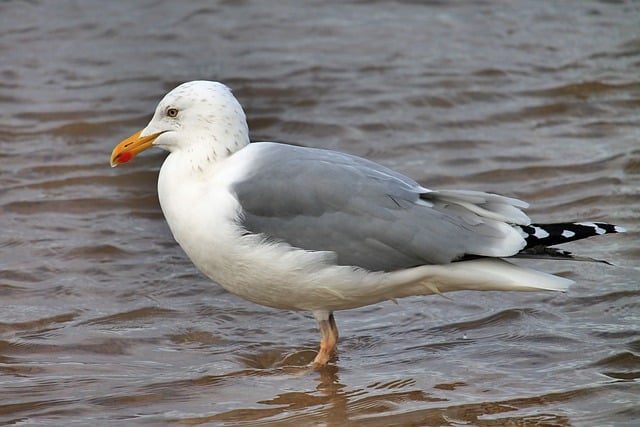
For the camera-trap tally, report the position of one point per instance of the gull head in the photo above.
(198, 116)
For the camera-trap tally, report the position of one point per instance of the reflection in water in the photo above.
(336, 404)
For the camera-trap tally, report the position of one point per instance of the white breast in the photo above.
(200, 210)
(203, 216)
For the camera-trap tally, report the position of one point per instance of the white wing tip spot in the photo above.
(596, 228)
(540, 233)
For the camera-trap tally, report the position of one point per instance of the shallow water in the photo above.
(103, 319)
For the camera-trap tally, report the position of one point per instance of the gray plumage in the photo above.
(369, 215)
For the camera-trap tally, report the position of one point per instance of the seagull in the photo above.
(308, 229)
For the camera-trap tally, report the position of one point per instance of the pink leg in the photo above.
(328, 343)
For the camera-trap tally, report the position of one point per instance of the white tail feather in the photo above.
(497, 274)
(485, 274)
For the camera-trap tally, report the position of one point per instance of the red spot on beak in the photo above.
(125, 156)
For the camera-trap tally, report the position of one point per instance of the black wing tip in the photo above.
(542, 252)
(558, 233)
(598, 226)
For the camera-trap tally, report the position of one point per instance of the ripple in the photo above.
(104, 319)
(624, 366)
(145, 313)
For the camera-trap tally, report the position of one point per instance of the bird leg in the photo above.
(329, 331)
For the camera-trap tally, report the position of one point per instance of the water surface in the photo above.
(104, 320)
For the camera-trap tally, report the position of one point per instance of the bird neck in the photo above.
(204, 158)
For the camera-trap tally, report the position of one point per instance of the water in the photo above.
(104, 320)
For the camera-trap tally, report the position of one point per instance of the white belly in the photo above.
(203, 217)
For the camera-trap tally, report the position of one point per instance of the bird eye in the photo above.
(172, 112)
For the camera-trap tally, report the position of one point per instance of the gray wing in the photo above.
(369, 215)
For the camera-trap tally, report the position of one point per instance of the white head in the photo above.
(202, 117)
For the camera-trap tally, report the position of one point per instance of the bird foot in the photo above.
(328, 343)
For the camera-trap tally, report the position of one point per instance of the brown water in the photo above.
(104, 321)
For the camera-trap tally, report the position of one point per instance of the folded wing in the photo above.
(368, 215)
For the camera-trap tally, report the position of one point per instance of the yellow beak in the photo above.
(131, 146)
